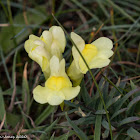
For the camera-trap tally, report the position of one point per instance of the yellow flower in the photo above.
(41, 49)
(96, 54)
(57, 87)
(37, 52)
(54, 40)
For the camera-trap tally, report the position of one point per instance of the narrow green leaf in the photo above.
(52, 137)
(47, 129)
(44, 114)
(10, 91)
(134, 134)
(133, 86)
(123, 100)
(66, 136)
(112, 84)
(13, 119)
(100, 2)
(118, 112)
(106, 125)
(85, 120)
(127, 138)
(84, 93)
(5, 67)
(78, 131)
(71, 104)
(13, 51)
(118, 134)
(129, 120)
(112, 101)
(7, 92)
(134, 101)
(99, 112)
(86, 10)
(97, 133)
(105, 134)
(120, 10)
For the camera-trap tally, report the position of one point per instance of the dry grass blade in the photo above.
(2, 123)
(129, 63)
(25, 77)
(132, 78)
(13, 96)
(32, 122)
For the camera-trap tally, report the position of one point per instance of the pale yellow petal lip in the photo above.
(55, 98)
(40, 94)
(106, 53)
(103, 43)
(71, 92)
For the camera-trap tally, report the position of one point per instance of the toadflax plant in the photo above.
(47, 51)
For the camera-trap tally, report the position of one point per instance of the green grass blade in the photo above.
(47, 129)
(5, 67)
(129, 120)
(112, 101)
(86, 10)
(44, 114)
(112, 84)
(133, 133)
(134, 101)
(78, 131)
(124, 99)
(97, 133)
(120, 9)
(12, 52)
(85, 94)
(118, 112)
(106, 126)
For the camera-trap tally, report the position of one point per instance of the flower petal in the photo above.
(70, 92)
(40, 94)
(54, 65)
(75, 75)
(55, 98)
(33, 37)
(55, 50)
(99, 62)
(47, 37)
(103, 43)
(58, 36)
(78, 41)
(37, 54)
(105, 53)
(29, 45)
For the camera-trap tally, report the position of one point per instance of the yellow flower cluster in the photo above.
(47, 51)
